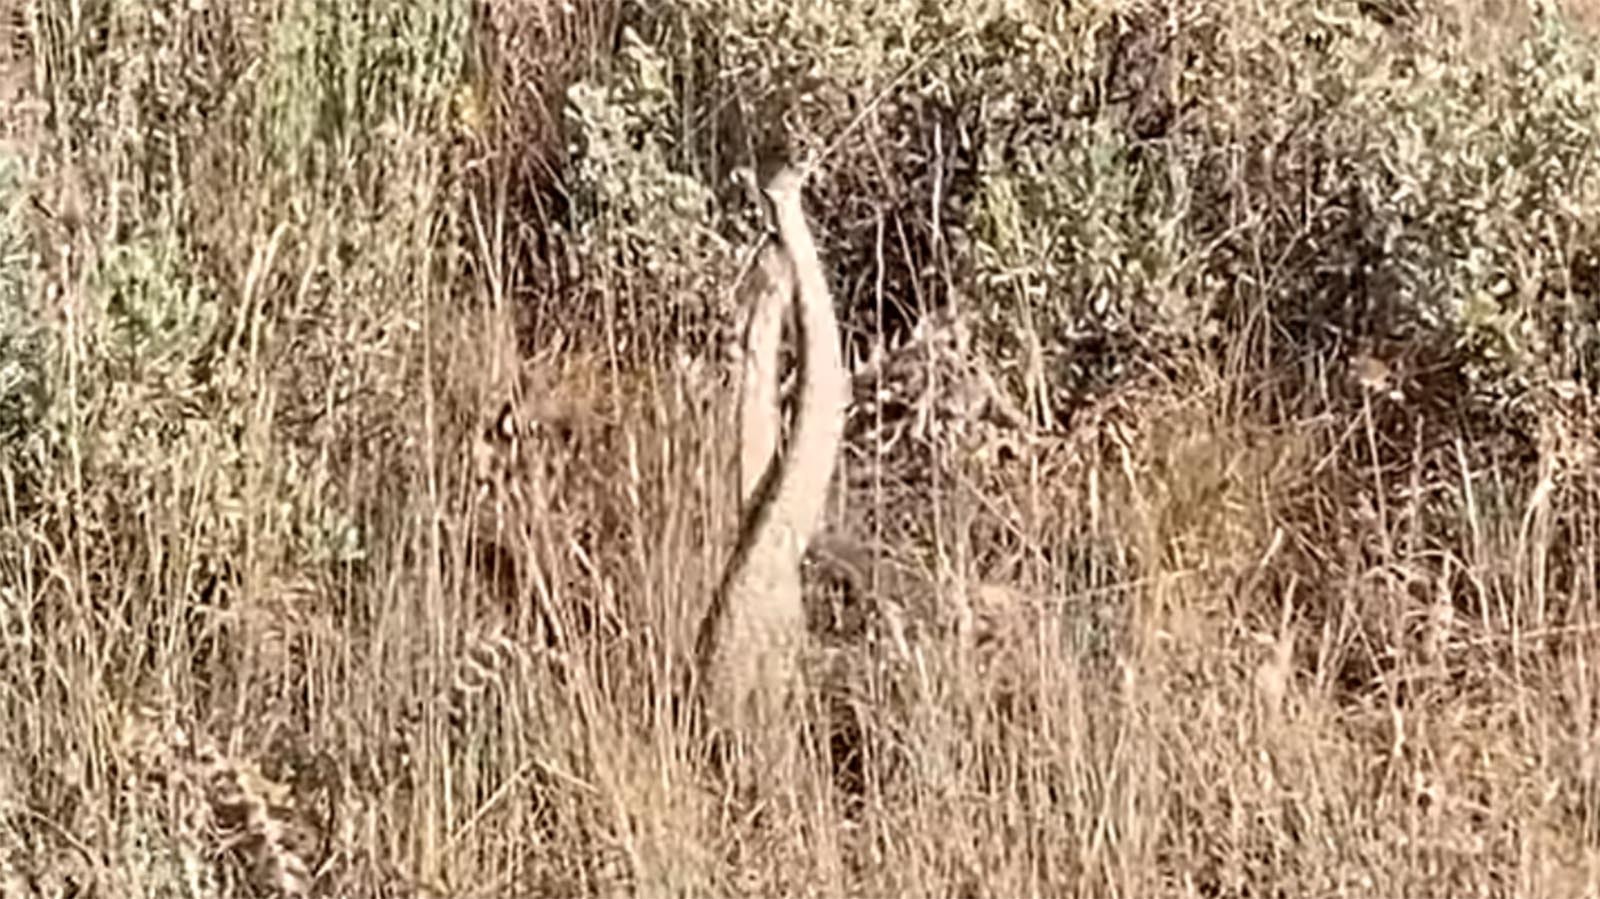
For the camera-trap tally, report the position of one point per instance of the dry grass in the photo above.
(1276, 575)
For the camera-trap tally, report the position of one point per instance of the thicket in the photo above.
(1282, 573)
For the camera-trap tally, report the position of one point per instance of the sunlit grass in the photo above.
(1276, 576)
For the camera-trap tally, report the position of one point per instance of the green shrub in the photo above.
(1389, 187)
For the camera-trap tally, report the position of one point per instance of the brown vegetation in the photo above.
(1219, 513)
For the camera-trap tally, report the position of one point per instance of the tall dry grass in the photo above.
(1275, 575)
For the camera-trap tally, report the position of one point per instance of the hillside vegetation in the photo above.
(1220, 515)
